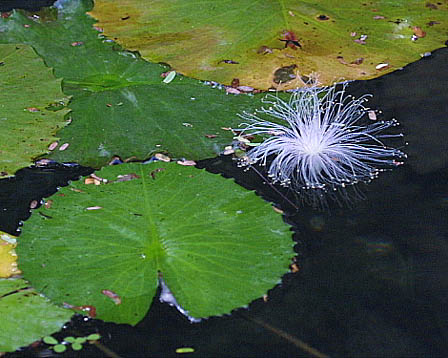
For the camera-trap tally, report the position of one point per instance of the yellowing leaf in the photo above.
(8, 256)
(281, 44)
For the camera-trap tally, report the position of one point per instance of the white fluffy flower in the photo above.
(319, 139)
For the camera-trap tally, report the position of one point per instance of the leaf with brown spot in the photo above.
(257, 37)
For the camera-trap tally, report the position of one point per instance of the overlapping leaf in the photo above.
(8, 256)
(27, 124)
(25, 315)
(248, 40)
(120, 104)
(217, 245)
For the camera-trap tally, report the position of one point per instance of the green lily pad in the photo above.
(222, 40)
(121, 104)
(26, 316)
(27, 124)
(217, 245)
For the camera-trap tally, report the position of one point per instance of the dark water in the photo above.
(373, 279)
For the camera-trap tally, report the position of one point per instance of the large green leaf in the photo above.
(25, 315)
(27, 125)
(198, 38)
(217, 245)
(120, 105)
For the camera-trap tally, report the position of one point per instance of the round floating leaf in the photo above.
(217, 245)
(25, 315)
(50, 340)
(184, 119)
(27, 121)
(263, 43)
(93, 337)
(121, 105)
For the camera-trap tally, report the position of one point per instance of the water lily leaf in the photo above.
(26, 315)
(121, 104)
(27, 124)
(263, 43)
(105, 245)
(8, 256)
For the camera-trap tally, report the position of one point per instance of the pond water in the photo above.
(373, 278)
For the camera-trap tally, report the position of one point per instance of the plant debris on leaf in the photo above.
(216, 245)
(27, 125)
(222, 40)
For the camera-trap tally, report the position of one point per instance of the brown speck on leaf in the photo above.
(43, 162)
(232, 90)
(53, 145)
(76, 190)
(64, 146)
(358, 61)
(115, 160)
(89, 310)
(277, 210)
(112, 295)
(235, 83)
(186, 163)
(126, 177)
(162, 157)
(210, 135)
(263, 50)
(155, 171)
(88, 181)
(341, 60)
(295, 268)
(323, 17)
(94, 176)
(77, 43)
(290, 39)
(33, 204)
(48, 204)
(230, 62)
(245, 88)
(418, 31)
(430, 5)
